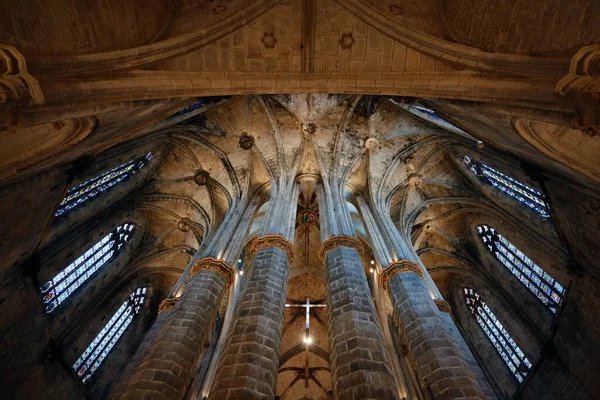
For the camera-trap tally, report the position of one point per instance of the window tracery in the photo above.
(504, 344)
(538, 281)
(96, 352)
(59, 288)
(522, 193)
(89, 189)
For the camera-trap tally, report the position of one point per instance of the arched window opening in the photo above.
(88, 190)
(538, 281)
(510, 352)
(96, 352)
(59, 288)
(522, 193)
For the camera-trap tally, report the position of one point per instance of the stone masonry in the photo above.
(359, 363)
(482, 381)
(167, 369)
(248, 365)
(436, 358)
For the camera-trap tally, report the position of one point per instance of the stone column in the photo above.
(167, 366)
(167, 369)
(248, 365)
(360, 366)
(482, 381)
(164, 310)
(433, 352)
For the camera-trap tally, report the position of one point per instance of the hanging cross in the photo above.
(307, 339)
(308, 307)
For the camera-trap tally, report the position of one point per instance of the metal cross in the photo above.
(307, 339)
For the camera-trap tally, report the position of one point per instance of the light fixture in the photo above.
(241, 272)
(240, 260)
(372, 262)
(371, 270)
(307, 340)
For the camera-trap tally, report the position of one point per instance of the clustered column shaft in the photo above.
(248, 365)
(166, 370)
(434, 354)
(359, 364)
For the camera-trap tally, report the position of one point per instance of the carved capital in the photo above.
(272, 241)
(167, 304)
(214, 264)
(397, 267)
(16, 84)
(581, 87)
(443, 306)
(337, 241)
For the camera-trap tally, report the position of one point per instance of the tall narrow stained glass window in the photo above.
(96, 352)
(538, 281)
(89, 189)
(510, 352)
(522, 193)
(59, 288)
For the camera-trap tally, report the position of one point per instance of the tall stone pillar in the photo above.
(248, 365)
(360, 366)
(166, 366)
(482, 381)
(433, 351)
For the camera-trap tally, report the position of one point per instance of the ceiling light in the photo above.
(307, 340)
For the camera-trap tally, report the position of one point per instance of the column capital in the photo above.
(581, 86)
(167, 304)
(214, 264)
(443, 306)
(337, 241)
(272, 240)
(397, 267)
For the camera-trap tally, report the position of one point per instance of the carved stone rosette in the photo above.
(214, 264)
(397, 267)
(246, 141)
(443, 306)
(167, 304)
(337, 241)
(272, 240)
(201, 178)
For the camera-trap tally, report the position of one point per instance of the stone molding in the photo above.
(397, 267)
(213, 264)
(581, 86)
(167, 304)
(16, 84)
(337, 241)
(272, 241)
(443, 306)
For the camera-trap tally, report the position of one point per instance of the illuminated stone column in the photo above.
(360, 366)
(248, 365)
(433, 352)
(166, 362)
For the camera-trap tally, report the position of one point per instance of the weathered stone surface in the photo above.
(359, 364)
(166, 370)
(248, 366)
(436, 358)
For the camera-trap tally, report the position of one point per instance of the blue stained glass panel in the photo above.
(96, 352)
(538, 281)
(91, 188)
(527, 196)
(509, 351)
(59, 288)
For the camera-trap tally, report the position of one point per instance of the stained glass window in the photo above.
(59, 288)
(538, 281)
(522, 193)
(79, 194)
(512, 354)
(96, 352)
